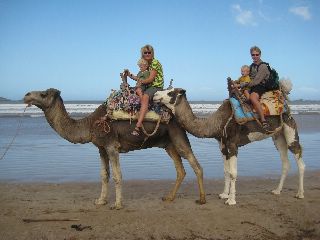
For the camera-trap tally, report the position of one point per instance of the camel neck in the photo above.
(75, 131)
(199, 127)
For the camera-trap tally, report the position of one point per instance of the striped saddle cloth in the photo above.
(124, 104)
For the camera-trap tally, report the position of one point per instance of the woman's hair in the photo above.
(142, 62)
(147, 48)
(255, 48)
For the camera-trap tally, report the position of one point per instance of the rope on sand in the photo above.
(14, 137)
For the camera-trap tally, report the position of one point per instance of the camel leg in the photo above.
(233, 178)
(229, 151)
(105, 176)
(181, 143)
(292, 137)
(281, 145)
(116, 175)
(301, 167)
(181, 173)
(226, 167)
(199, 173)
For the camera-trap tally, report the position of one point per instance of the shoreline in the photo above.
(257, 215)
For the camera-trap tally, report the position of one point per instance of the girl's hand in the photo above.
(235, 85)
(139, 82)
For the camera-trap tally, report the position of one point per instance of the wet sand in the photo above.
(257, 215)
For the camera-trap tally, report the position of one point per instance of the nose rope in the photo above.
(14, 137)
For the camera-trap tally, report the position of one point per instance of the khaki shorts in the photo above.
(150, 91)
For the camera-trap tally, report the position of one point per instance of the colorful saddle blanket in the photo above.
(125, 105)
(272, 102)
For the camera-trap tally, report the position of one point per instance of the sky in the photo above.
(81, 46)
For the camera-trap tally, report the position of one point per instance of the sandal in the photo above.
(266, 126)
(136, 132)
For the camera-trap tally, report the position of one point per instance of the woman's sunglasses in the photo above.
(147, 53)
(255, 55)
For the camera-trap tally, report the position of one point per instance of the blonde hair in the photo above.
(147, 48)
(142, 62)
(255, 48)
(245, 67)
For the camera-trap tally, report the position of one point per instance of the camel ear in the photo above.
(58, 92)
(182, 92)
(53, 92)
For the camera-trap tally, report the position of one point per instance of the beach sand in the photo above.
(257, 215)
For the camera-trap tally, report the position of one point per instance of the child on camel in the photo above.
(244, 80)
(142, 75)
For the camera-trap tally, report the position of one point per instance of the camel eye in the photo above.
(171, 94)
(43, 95)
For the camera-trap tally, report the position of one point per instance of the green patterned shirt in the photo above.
(158, 81)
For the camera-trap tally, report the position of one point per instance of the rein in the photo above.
(14, 137)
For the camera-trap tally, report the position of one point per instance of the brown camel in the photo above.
(117, 139)
(230, 135)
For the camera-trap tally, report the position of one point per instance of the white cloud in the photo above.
(243, 17)
(301, 12)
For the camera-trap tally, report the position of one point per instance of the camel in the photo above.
(115, 138)
(230, 135)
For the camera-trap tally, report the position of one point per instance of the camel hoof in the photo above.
(223, 196)
(230, 202)
(201, 201)
(167, 199)
(116, 206)
(276, 192)
(299, 196)
(100, 201)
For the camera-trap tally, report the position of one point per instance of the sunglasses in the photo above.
(147, 53)
(255, 55)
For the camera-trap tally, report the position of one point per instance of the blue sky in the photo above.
(80, 47)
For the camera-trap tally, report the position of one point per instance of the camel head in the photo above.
(42, 99)
(170, 97)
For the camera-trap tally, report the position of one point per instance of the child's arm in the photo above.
(150, 79)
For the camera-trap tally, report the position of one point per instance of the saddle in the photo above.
(124, 104)
(273, 104)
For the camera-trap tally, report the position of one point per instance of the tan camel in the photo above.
(117, 139)
(230, 135)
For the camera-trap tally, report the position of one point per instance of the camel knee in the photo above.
(198, 171)
(233, 168)
(300, 163)
(104, 175)
(296, 149)
(285, 165)
(195, 165)
(233, 174)
(181, 175)
(117, 179)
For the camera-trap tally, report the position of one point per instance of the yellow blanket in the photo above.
(272, 103)
(151, 116)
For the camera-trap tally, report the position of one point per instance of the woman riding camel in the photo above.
(149, 86)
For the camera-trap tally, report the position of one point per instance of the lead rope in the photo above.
(14, 137)
(150, 134)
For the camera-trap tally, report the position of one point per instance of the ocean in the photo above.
(38, 154)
